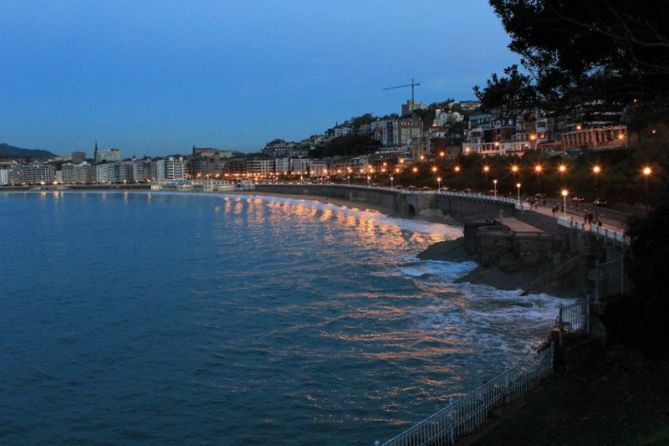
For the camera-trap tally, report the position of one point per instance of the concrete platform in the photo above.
(518, 226)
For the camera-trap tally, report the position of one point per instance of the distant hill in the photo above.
(7, 151)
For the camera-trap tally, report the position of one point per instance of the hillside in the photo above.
(7, 151)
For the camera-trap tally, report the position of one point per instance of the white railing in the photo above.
(464, 415)
(601, 231)
(614, 235)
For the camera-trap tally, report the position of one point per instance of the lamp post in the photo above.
(596, 170)
(438, 184)
(456, 169)
(562, 168)
(538, 170)
(369, 179)
(494, 187)
(564, 192)
(518, 188)
(647, 172)
(391, 182)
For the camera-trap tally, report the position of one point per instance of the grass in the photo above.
(622, 399)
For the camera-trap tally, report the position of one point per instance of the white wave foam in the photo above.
(416, 226)
(446, 271)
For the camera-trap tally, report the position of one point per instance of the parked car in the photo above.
(577, 199)
(600, 203)
(426, 188)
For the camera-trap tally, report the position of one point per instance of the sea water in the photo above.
(165, 318)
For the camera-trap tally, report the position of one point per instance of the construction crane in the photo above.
(413, 85)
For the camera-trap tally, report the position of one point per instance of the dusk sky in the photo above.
(156, 77)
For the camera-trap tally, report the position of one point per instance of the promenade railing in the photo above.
(601, 231)
(611, 234)
(464, 415)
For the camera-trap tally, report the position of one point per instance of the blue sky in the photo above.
(159, 76)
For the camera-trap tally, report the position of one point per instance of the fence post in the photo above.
(451, 430)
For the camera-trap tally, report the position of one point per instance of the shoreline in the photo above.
(450, 250)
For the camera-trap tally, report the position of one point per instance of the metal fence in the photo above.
(574, 318)
(615, 235)
(464, 415)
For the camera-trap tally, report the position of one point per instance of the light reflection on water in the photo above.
(169, 318)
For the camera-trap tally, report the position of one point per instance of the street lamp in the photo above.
(538, 170)
(518, 188)
(439, 184)
(369, 179)
(562, 168)
(391, 182)
(647, 171)
(564, 192)
(434, 169)
(596, 171)
(494, 187)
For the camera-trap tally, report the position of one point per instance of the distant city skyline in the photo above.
(156, 78)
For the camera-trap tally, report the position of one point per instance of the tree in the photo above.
(510, 94)
(578, 52)
(642, 318)
(348, 145)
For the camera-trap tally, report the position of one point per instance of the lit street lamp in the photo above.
(369, 179)
(565, 192)
(538, 170)
(647, 171)
(494, 187)
(391, 182)
(596, 170)
(518, 188)
(439, 184)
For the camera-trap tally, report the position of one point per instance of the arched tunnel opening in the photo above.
(411, 211)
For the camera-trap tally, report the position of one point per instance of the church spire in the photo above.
(95, 152)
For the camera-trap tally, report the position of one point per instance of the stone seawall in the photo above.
(399, 203)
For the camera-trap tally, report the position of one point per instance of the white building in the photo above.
(4, 177)
(176, 168)
(106, 173)
(300, 166)
(282, 166)
(259, 167)
(157, 170)
(82, 173)
(110, 155)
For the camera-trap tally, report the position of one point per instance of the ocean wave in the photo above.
(353, 210)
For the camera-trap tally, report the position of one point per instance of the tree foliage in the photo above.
(575, 52)
(349, 145)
